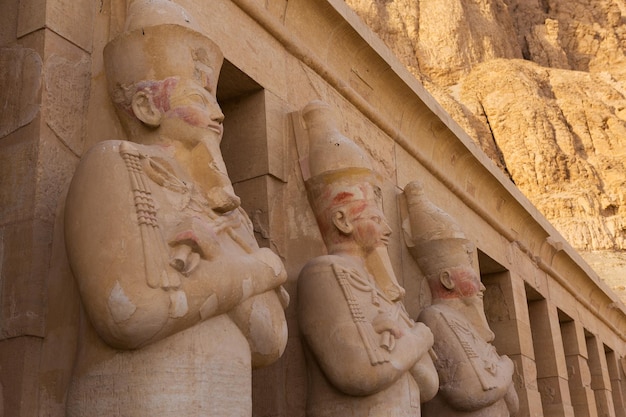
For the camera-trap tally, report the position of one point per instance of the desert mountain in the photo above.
(540, 85)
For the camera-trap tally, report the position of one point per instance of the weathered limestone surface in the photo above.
(279, 55)
(180, 302)
(541, 87)
(473, 379)
(365, 355)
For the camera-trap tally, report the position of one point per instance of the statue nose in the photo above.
(215, 111)
(217, 115)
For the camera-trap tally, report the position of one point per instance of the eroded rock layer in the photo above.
(540, 85)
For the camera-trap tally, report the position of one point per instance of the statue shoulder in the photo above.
(437, 317)
(107, 147)
(326, 268)
(322, 265)
(318, 283)
(102, 158)
(430, 314)
(101, 175)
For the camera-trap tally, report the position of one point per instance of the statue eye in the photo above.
(197, 98)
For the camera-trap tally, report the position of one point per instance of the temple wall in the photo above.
(563, 328)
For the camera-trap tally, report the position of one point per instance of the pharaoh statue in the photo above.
(179, 302)
(364, 355)
(473, 379)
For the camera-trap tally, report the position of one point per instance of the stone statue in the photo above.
(180, 301)
(474, 380)
(365, 356)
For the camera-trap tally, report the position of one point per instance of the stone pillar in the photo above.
(600, 382)
(549, 359)
(45, 65)
(617, 383)
(523, 355)
(502, 312)
(579, 377)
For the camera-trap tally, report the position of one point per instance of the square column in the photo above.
(579, 377)
(549, 359)
(600, 381)
(506, 310)
(617, 383)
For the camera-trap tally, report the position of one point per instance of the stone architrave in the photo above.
(365, 356)
(474, 380)
(180, 301)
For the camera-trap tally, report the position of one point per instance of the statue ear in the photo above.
(145, 109)
(446, 280)
(340, 220)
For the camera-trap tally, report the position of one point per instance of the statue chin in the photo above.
(223, 199)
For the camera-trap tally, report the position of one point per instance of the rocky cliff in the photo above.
(540, 85)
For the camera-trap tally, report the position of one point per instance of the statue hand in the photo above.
(192, 240)
(383, 322)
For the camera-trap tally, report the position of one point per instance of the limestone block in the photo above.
(276, 120)
(250, 136)
(18, 155)
(528, 372)
(546, 338)
(296, 376)
(408, 169)
(508, 340)
(380, 148)
(583, 401)
(534, 403)
(32, 16)
(56, 165)
(597, 364)
(20, 83)
(579, 380)
(70, 19)
(498, 303)
(62, 310)
(19, 376)
(525, 340)
(254, 123)
(22, 286)
(8, 22)
(262, 198)
(573, 337)
(530, 398)
(67, 71)
(554, 390)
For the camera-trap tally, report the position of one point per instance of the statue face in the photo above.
(467, 284)
(194, 120)
(370, 228)
(193, 104)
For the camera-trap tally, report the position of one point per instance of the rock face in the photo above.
(540, 85)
